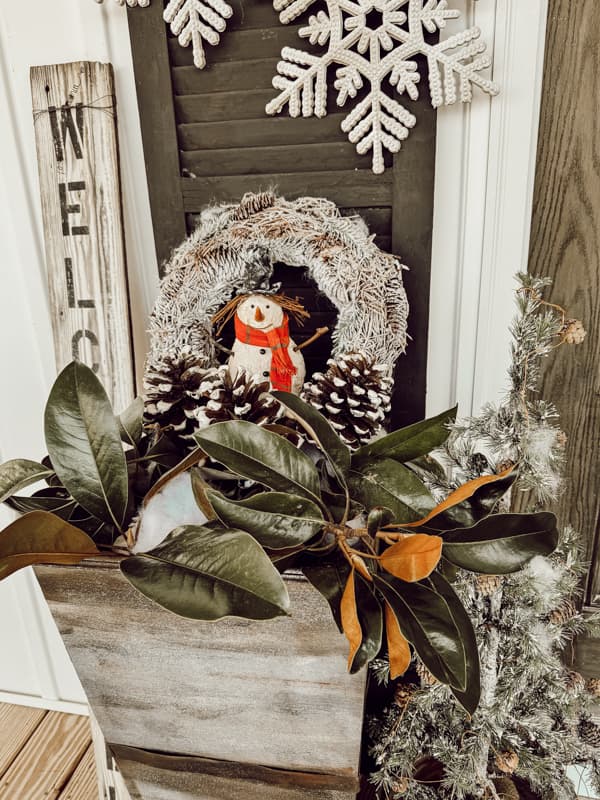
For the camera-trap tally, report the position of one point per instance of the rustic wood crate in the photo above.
(206, 707)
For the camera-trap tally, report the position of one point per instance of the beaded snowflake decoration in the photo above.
(373, 44)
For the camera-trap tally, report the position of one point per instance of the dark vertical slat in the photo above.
(412, 221)
(157, 116)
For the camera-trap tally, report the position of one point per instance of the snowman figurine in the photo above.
(263, 347)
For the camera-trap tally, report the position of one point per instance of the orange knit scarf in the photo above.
(278, 340)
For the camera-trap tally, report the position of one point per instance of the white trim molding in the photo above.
(485, 170)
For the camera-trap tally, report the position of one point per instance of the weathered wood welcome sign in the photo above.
(74, 111)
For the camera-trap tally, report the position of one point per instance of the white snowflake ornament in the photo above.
(193, 21)
(371, 42)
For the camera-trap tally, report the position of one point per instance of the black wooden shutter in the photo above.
(207, 139)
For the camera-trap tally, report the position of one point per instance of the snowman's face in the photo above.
(260, 311)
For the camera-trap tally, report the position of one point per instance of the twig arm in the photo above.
(316, 335)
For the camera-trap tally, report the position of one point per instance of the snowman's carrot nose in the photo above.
(258, 314)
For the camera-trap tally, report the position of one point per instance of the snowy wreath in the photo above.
(233, 252)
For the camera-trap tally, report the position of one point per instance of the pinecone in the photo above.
(478, 463)
(252, 203)
(593, 687)
(502, 466)
(403, 694)
(564, 613)
(506, 789)
(487, 585)
(574, 682)
(573, 331)
(589, 733)
(507, 761)
(400, 786)
(221, 398)
(170, 392)
(355, 396)
(427, 679)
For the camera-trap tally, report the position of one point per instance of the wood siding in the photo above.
(208, 139)
(565, 245)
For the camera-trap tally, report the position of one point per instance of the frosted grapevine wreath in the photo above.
(232, 253)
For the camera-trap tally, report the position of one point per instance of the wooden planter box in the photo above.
(218, 710)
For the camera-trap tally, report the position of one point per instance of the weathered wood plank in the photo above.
(361, 187)
(274, 693)
(154, 776)
(48, 759)
(237, 45)
(83, 784)
(565, 244)
(157, 117)
(340, 155)
(17, 724)
(222, 106)
(252, 14)
(78, 163)
(274, 132)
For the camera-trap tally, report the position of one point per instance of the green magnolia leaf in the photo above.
(42, 538)
(426, 621)
(370, 617)
(387, 483)
(84, 444)
(469, 699)
(20, 473)
(409, 443)
(209, 573)
(276, 520)
(321, 431)
(502, 543)
(378, 517)
(336, 503)
(329, 575)
(131, 423)
(262, 456)
(481, 503)
(54, 500)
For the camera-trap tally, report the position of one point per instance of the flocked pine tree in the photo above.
(535, 717)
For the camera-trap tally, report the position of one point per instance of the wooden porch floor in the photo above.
(45, 755)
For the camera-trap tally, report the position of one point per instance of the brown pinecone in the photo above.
(400, 786)
(507, 761)
(221, 398)
(574, 682)
(427, 679)
(506, 789)
(170, 392)
(487, 585)
(355, 396)
(593, 687)
(564, 613)
(252, 203)
(589, 733)
(573, 331)
(403, 694)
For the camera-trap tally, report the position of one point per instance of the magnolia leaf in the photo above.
(55, 501)
(502, 543)
(425, 620)
(20, 473)
(370, 617)
(377, 518)
(131, 423)
(42, 538)
(349, 616)
(469, 699)
(209, 573)
(409, 443)
(276, 520)
(387, 483)
(84, 444)
(479, 504)
(460, 495)
(320, 431)
(200, 488)
(261, 456)
(413, 558)
(329, 575)
(398, 647)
